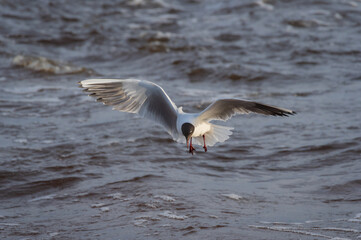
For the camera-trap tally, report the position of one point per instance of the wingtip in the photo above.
(81, 84)
(290, 113)
(285, 114)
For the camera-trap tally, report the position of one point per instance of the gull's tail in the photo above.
(216, 134)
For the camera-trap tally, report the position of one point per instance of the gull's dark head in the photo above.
(187, 130)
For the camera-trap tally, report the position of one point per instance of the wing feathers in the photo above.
(130, 95)
(224, 109)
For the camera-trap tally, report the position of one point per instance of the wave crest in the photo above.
(42, 64)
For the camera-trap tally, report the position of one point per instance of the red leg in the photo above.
(191, 148)
(204, 141)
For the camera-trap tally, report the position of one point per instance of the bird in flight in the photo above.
(150, 101)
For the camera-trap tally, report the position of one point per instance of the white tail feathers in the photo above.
(216, 134)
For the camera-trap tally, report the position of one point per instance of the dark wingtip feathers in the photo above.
(274, 111)
(287, 114)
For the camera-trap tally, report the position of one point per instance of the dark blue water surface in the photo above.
(71, 168)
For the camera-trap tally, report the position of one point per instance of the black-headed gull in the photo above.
(150, 101)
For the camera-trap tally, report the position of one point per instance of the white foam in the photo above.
(128, 199)
(313, 221)
(21, 140)
(170, 215)
(233, 196)
(47, 141)
(98, 205)
(338, 238)
(53, 234)
(82, 194)
(45, 65)
(264, 5)
(116, 195)
(165, 198)
(148, 217)
(281, 223)
(355, 220)
(166, 225)
(289, 229)
(46, 197)
(140, 222)
(105, 209)
(151, 205)
(10, 224)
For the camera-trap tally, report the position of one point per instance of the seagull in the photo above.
(150, 101)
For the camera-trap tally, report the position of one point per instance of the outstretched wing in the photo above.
(224, 109)
(135, 96)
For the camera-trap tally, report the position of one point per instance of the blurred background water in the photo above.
(71, 168)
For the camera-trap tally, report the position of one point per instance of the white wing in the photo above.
(135, 96)
(224, 109)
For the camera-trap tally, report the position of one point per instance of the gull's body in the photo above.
(150, 101)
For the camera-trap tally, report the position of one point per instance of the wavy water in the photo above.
(42, 64)
(71, 168)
